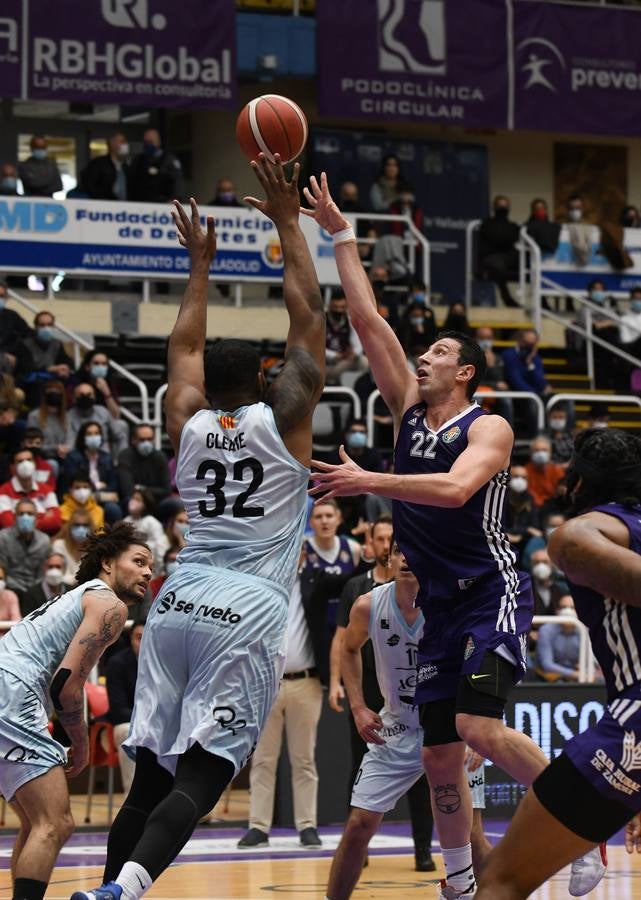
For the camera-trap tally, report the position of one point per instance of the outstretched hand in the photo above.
(633, 835)
(344, 480)
(324, 209)
(282, 200)
(200, 244)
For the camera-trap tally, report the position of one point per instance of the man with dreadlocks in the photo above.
(593, 788)
(44, 662)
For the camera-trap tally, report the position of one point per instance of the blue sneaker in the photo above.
(109, 891)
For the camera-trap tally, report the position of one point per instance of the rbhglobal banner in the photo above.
(93, 237)
(137, 52)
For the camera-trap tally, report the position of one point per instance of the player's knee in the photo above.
(360, 827)
(480, 733)
(55, 830)
(442, 760)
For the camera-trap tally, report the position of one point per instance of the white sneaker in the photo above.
(450, 893)
(588, 870)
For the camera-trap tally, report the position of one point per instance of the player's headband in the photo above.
(597, 474)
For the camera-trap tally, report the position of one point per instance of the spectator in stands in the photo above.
(348, 198)
(53, 573)
(142, 467)
(121, 675)
(602, 324)
(71, 543)
(456, 319)
(389, 254)
(598, 416)
(39, 173)
(41, 357)
(630, 332)
(405, 205)
(575, 208)
(543, 475)
(547, 591)
(630, 217)
(9, 604)
(560, 435)
(11, 434)
(105, 177)
(225, 194)
(177, 529)
(355, 442)
(8, 180)
(45, 471)
(389, 185)
(155, 175)
(13, 328)
(550, 519)
(524, 371)
(85, 410)
(95, 371)
(417, 325)
(139, 514)
(51, 418)
(497, 254)
(558, 504)
(80, 497)
(558, 646)
(494, 377)
(24, 485)
(10, 395)
(90, 461)
(169, 566)
(521, 515)
(544, 232)
(23, 548)
(343, 348)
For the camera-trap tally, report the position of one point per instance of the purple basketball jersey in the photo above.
(615, 628)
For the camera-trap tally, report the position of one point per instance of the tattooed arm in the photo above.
(104, 618)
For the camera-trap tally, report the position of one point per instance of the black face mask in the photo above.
(378, 285)
(53, 398)
(501, 212)
(84, 402)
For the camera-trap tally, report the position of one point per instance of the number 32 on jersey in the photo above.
(216, 489)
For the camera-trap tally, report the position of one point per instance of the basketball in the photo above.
(272, 124)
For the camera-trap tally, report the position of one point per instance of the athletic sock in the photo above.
(134, 880)
(29, 889)
(458, 868)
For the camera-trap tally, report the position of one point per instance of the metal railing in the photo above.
(78, 342)
(595, 398)
(586, 657)
(410, 238)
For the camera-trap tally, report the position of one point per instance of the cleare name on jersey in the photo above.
(223, 442)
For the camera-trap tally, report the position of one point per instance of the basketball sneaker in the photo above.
(588, 870)
(109, 891)
(450, 893)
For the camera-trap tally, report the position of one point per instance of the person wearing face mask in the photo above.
(544, 232)
(343, 350)
(23, 548)
(524, 371)
(9, 603)
(355, 441)
(23, 485)
(50, 585)
(85, 409)
(560, 435)
(169, 566)
(456, 319)
(80, 497)
(13, 328)
(630, 217)
(546, 588)
(39, 173)
(498, 260)
(71, 543)
(225, 194)
(417, 325)
(177, 529)
(95, 371)
(494, 377)
(138, 513)
(543, 475)
(40, 357)
(521, 515)
(46, 472)
(90, 461)
(50, 417)
(105, 177)
(155, 175)
(557, 647)
(630, 332)
(142, 466)
(8, 180)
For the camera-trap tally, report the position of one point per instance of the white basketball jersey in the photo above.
(245, 494)
(395, 646)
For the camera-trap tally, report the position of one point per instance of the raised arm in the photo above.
(382, 348)
(593, 551)
(490, 441)
(295, 393)
(186, 374)
(367, 721)
(104, 618)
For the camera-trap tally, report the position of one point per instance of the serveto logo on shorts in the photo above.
(217, 612)
(168, 604)
(425, 672)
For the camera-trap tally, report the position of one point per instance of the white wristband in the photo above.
(342, 237)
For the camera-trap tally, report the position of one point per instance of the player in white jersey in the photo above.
(212, 653)
(44, 662)
(386, 616)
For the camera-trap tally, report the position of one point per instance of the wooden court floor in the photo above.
(212, 867)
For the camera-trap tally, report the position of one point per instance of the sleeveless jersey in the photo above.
(35, 647)
(615, 628)
(395, 646)
(245, 495)
(449, 549)
(342, 564)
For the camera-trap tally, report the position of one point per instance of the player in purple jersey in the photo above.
(594, 787)
(450, 477)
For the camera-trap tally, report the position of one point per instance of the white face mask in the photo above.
(575, 215)
(519, 484)
(568, 612)
(541, 571)
(81, 495)
(540, 457)
(25, 468)
(54, 577)
(558, 424)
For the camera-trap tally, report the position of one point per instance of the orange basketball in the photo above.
(272, 124)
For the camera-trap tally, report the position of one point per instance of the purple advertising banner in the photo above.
(10, 47)
(414, 60)
(576, 69)
(137, 52)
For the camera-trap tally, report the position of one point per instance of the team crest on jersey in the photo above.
(469, 648)
(344, 556)
(227, 421)
(631, 757)
(393, 640)
(451, 434)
